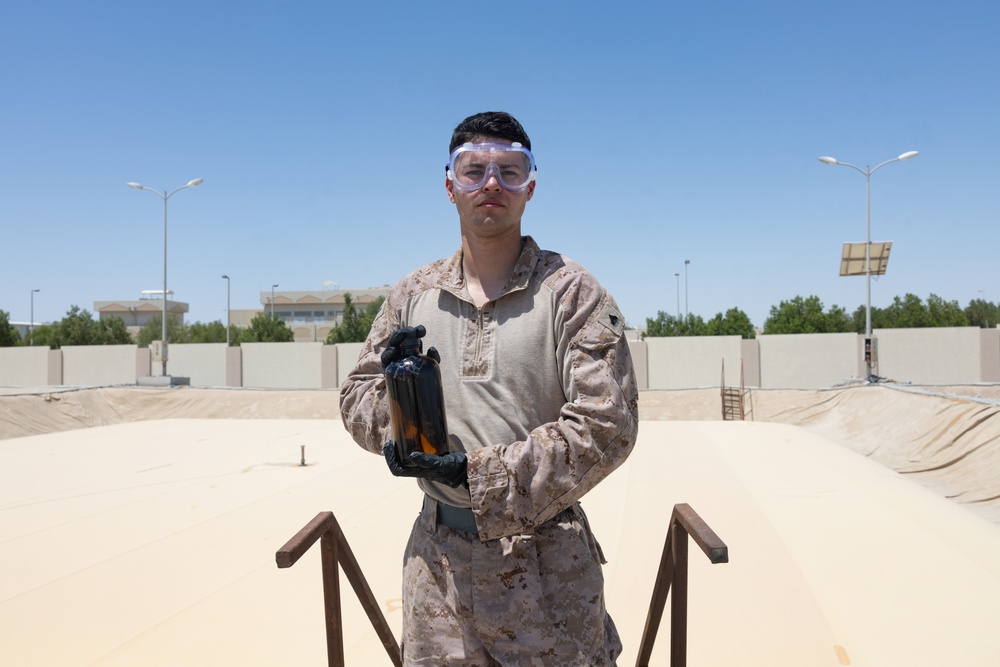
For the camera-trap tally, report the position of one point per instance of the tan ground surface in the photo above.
(149, 538)
(947, 438)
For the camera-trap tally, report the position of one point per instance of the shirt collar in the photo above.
(452, 278)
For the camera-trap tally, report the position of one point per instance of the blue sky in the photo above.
(663, 132)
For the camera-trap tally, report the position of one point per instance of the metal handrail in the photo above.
(673, 571)
(335, 549)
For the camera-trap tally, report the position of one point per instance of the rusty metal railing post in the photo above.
(331, 600)
(335, 550)
(673, 572)
(679, 598)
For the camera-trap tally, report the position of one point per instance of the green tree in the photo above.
(733, 323)
(213, 332)
(44, 335)
(78, 327)
(983, 314)
(662, 325)
(112, 331)
(806, 316)
(945, 313)
(266, 329)
(668, 325)
(910, 312)
(153, 330)
(8, 333)
(369, 314)
(354, 327)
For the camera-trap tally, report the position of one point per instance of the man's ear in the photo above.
(451, 193)
(531, 190)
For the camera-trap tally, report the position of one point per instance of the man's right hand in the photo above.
(394, 348)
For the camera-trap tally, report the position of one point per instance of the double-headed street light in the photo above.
(165, 196)
(867, 172)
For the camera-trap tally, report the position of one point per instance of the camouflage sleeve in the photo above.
(363, 403)
(515, 487)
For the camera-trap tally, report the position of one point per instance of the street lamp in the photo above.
(31, 325)
(272, 300)
(165, 196)
(228, 310)
(686, 262)
(867, 172)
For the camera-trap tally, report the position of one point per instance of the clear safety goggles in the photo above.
(472, 165)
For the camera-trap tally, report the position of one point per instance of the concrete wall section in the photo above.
(204, 363)
(750, 353)
(328, 367)
(347, 359)
(55, 368)
(807, 361)
(144, 363)
(282, 365)
(24, 366)
(640, 361)
(234, 367)
(98, 365)
(990, 354)
(684, 363)
(945, 355)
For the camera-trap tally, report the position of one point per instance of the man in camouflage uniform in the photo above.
(501, 566)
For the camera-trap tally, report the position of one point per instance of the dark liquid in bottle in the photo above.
(416, 406)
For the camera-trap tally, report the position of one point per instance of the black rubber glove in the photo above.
(450, 469)
(394, 348)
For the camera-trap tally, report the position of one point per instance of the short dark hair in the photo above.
(489, 125)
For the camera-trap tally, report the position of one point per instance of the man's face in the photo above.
(489, 210)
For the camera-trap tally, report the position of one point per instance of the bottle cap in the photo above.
(410, 347)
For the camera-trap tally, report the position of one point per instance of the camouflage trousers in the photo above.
(531, 599)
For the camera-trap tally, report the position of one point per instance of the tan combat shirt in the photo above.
(538, 385)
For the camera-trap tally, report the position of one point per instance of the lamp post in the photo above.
(31, 325)
(686, 262)
(228, 310)
(867, 172)
(272, 300)
(165, 196)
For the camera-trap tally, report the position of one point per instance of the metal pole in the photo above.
(686, 312)
(31, 325)
(868, 171)
(272, 300)
(868, 271)
(164, 332)
(165, 196)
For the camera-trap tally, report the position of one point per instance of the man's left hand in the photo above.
(450, 469)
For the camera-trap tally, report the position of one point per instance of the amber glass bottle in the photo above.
(416, 403)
